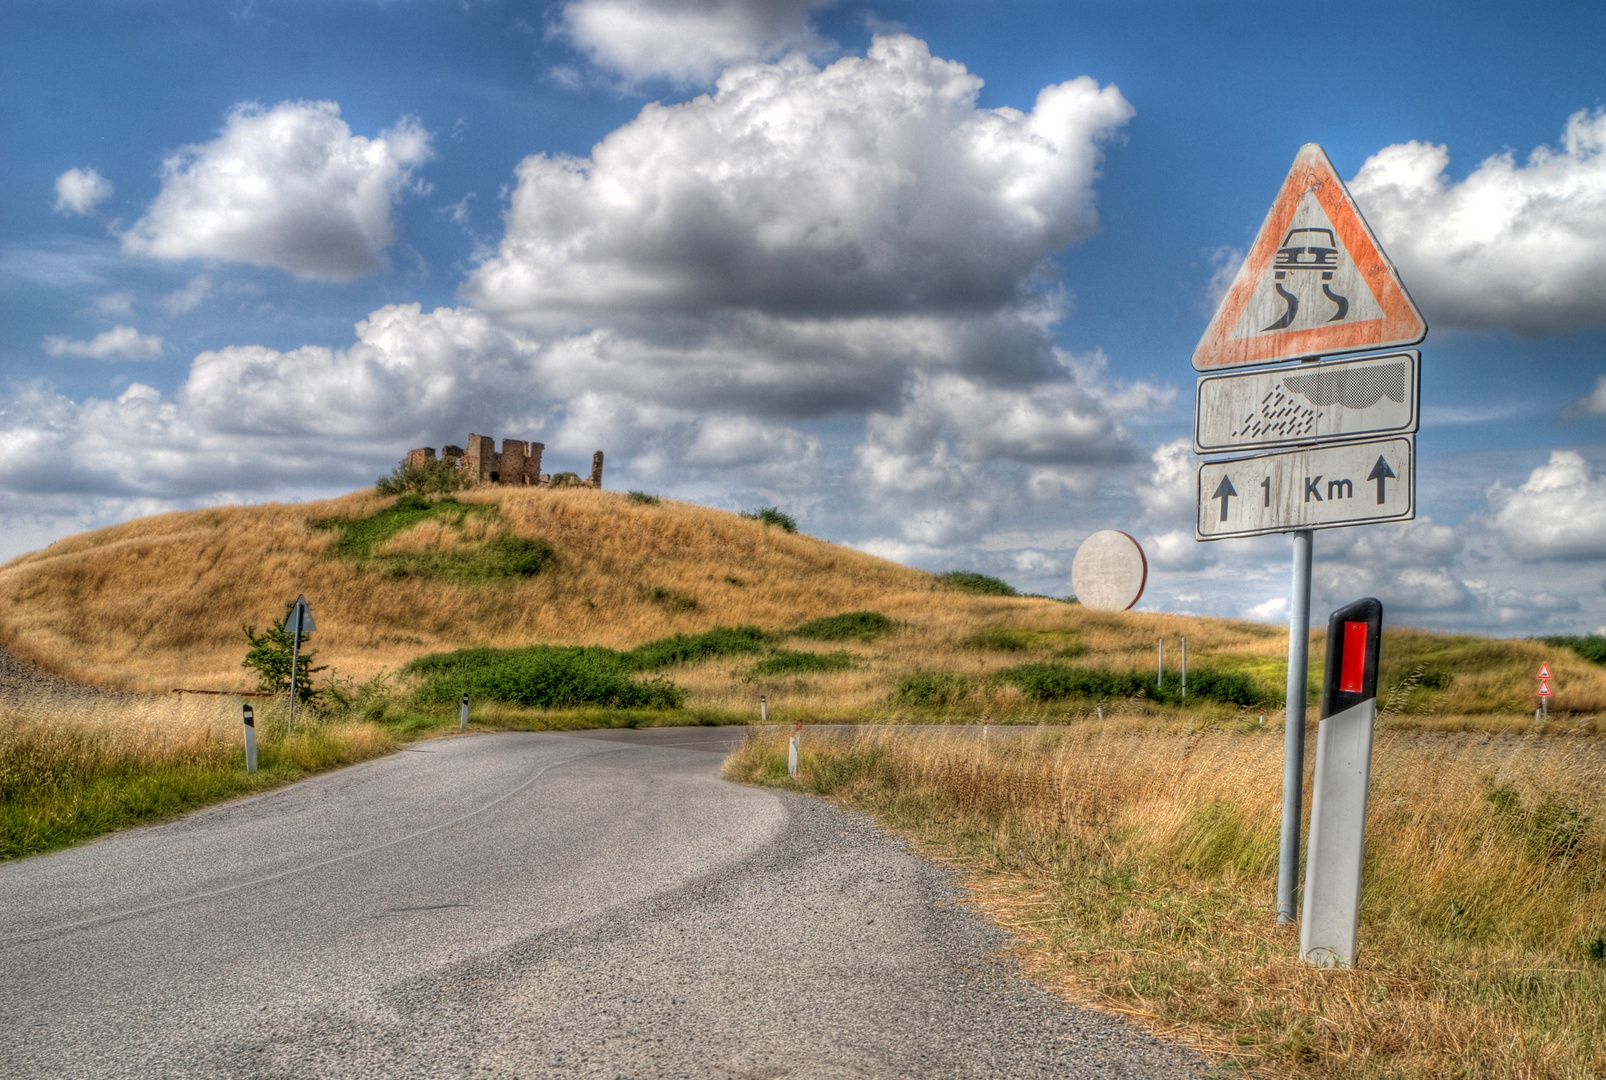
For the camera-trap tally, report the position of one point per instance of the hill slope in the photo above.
(159, 603)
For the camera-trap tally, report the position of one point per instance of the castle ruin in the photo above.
(519, 463)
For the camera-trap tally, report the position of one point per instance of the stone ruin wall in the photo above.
(518, 464)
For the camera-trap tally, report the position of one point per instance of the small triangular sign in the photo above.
(1544, 689)
(302, 614)
(1544, 670)
(1315, 281)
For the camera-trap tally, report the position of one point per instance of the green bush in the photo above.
(1589, 646)
(792, 662)
(642, 497)
(273, 653)
(849, 626)
(932, 688)
(1048, 681)
(981, 584)
(692, 648)
(566, 479)
(434, 477)
(772, 515)
(541, 676)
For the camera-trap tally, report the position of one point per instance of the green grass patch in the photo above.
(695, 648)
(932, 688)
(1051, 681)
(971, 582)
(643, 498)
(849, 626)
(540, 676)
(793, 662)
(1066, 643)
(498, 557)
(772, 515)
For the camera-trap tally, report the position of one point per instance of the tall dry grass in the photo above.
(158, 603)
(1137, 869)
(72, 768)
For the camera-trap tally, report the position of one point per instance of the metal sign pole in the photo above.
(1294, 728)
(295, 665)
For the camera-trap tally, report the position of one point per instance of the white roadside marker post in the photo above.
(1338, 796)
(1159, 671)
(250, 740)
(1184, 669)
(791, 751)
(763, 709)
(463, 725)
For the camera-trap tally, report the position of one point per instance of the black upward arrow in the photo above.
(1381, 473)
(1225, 491)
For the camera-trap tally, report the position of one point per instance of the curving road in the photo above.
(524, 905)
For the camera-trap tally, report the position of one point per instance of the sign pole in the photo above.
(295, 665)
(1294, 727)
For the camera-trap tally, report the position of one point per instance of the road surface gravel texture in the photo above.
(525, 905)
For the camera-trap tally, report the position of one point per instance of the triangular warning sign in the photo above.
(1544, 671)
(1315, 281)
(1544, 690)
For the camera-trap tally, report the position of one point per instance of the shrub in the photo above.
(541, 676)
(434, 477)
(1589, 646)
(981, 584)
(772, 515)
(932, 688)
(642, 497)
(792, 662)
(849, 626)
(691, 648)
(567, 479)
(1048, 681)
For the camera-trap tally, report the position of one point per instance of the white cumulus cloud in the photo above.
(1558, 513)
(79, 191)
(686, 40)
(1521, 246)
(118, 343)
(289, 187)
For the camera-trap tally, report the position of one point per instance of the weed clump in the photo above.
(1018, 639)
(793, 662)
(433, 477)
(772, 515)
(540, 676)
(849, 626)
(932, 688)
(643, 498)
(980, 584)
(669, 598)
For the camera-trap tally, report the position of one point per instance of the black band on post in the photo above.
(1354, 633)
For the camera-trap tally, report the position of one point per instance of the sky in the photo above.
(926, 276)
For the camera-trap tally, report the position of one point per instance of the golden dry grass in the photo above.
(1136, 868)
(158, 603)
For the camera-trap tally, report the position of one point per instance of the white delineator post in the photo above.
(1294, 727)
(463, 725)
(1159, 668)
(250, 740)
(1184, 667)
(763, 709)
(791, 756)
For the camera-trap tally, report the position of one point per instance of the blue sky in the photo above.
(836, 257)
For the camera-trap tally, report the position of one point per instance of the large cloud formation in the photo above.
(289, 187)
(1518, 246)
(686, 41)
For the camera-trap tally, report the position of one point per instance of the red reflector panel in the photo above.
(1352, 672)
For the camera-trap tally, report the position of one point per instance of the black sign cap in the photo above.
(1354, 633)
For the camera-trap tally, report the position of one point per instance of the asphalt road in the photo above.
(524, 905)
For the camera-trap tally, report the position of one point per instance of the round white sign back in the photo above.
(1109, 571)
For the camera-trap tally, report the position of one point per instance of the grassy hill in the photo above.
(159, 603)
